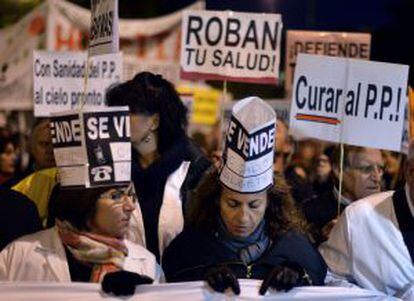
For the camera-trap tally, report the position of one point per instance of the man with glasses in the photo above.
(363, 169)
(372, 244)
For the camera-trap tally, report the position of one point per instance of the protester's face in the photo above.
(7, 160)
(363, 176)
(113, 212)
(242, 213)
(42, 148)
(141, 127)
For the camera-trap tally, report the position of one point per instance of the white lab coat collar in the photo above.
(407, 194)
(55, 255)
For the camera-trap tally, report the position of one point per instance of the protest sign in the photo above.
(233, 46)
(349, 101)
(340, 44)
(93, 148)
(59, 80)
(405, 139)
(104, 32)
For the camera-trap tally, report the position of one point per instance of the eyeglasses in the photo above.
(118, 193)
(369, 169)
(284, 155)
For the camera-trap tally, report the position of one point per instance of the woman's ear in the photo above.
(155, 122)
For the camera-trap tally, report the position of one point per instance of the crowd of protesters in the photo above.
(184, 223)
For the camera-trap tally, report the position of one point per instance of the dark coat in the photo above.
(18, 216)
(193, 252)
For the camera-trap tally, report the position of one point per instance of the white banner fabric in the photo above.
(185, 291)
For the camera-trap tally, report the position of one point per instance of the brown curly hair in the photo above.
(281, 214)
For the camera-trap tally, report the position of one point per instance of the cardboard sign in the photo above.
(339, 44)
(59, 80)
(351, 101)
(233, 46)
(104, 32)
(248, 153)
(94, 148)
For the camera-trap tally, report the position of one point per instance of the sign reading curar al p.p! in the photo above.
(233, 46)
(351, 101)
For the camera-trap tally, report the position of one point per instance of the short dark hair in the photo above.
(150, 94)
(5, 139)
(281, 214)
(78, 205)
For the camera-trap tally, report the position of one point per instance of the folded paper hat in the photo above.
(92, 148)
(248, 153)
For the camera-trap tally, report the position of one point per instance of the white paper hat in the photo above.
(92, 148)
(248, 153)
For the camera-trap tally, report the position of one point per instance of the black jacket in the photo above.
(18, 216)
(193, 252)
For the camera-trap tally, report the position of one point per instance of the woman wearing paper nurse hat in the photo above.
(88, 243)
(166, 165)
(241, 221)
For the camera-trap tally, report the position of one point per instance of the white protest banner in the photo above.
(104, 32)
(340, 44)
(59, 80)
(93, 149)
(233, 46)
(350, 101)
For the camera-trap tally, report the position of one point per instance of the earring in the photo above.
(148, 138)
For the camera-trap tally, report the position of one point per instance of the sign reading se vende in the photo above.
(339, 44)
(233, 46)
(351, 101)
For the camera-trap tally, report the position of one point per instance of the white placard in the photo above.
(94, 148)
(340, 44)
(351, 101)
(104, 32)
(59, 80)
(233, 46)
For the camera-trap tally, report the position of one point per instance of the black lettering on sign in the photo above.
(250, 146)
(65, 131)
(102, 26)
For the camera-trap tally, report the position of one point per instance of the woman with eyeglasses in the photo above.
(166, 165)
(87, 244)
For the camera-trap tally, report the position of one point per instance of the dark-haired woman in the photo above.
(166, 165)
(252, 235)
(86, 245)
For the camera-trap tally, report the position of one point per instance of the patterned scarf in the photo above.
(249, 248)
(106, 254)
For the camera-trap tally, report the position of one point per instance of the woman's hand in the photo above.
(283, 277)
(122, 283)
(221, 278)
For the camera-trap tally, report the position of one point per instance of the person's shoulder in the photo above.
(40, 239)
(138, 251)
(369, 203)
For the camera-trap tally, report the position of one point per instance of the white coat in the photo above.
(366, 248)
(171, 219)
(41, 257)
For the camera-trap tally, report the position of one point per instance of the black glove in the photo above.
(283, 277)
(221, 277)
(122, 283)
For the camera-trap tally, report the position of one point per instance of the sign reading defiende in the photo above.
(340, 44)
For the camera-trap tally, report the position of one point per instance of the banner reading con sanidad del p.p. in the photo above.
(233, 46)
(351, 101)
